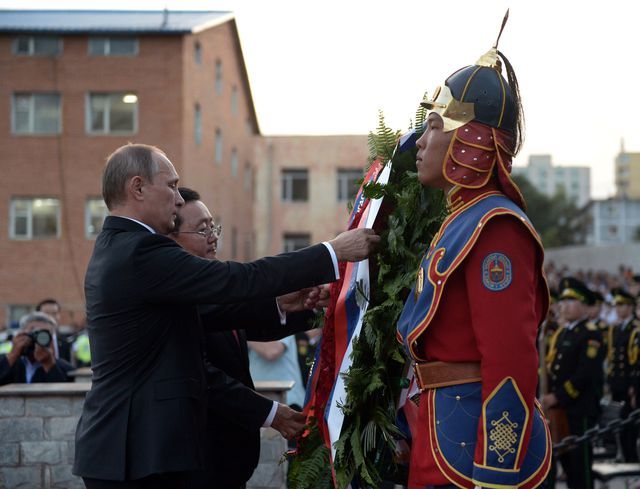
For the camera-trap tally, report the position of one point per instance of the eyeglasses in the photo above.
(214, 231)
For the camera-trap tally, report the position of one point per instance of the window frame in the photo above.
(29, 235)
(291, 237)
(32, 119)
(286, 184)
(218, 147)
(87, 216)
(32, 46)
(107, 51)
(107, 118)
(197, 124)
(343, 182)
(218, 77)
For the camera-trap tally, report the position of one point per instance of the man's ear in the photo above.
(135, 187)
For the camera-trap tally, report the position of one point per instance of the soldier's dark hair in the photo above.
(47, 301)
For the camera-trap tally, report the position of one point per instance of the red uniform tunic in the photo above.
(497, 328)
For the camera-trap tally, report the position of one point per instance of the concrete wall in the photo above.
(606, 258)
(37, 430)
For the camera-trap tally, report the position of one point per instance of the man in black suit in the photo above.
(33, 356)
(143, 420)
(235, 412)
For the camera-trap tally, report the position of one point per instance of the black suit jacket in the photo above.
(235, 411)
(145, 412)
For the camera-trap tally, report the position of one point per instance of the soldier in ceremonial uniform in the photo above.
(471, 321)
(575, 373)
(623, 367)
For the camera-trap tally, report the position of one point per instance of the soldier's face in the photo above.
(572, 310)
(432, 150)
(623, 311)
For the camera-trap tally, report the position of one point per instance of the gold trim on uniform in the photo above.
(571, 390)
(419, 283)
(503, 436)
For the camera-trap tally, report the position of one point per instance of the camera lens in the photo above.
(42, 337)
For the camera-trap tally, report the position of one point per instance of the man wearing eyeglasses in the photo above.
(143, 420)
(235, 412)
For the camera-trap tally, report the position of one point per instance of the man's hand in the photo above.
(305, 299)
(288, 422)
(20, 342)
(354, 245)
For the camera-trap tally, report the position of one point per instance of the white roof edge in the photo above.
(213, 23)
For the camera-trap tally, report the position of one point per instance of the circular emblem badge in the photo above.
(496, 271)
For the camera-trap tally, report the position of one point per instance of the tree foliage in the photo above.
(557, 219)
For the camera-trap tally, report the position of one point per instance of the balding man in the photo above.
(143, 419)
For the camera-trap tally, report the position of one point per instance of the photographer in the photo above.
(33, 357)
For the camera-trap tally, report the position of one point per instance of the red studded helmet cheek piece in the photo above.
(476, 154)
(471, 156)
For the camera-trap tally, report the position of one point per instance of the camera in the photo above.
(40, 337)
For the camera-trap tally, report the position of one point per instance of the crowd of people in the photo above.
(589, 344)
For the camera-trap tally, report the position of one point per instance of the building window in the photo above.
(113, 46)
(218, 77)
(112, 113)
(197, 53)
(234, 100)
(295, 241)
(35, 218)
(16, 311)
(95, 213)
(198, 124)
(295, 185)
(37, 45)
(248, 176)
(36, 113)
(234, 162)
(348, 184)
(218, 146)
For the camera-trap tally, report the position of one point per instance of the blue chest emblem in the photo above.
(496, 272)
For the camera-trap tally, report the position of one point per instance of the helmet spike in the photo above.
(504, 22)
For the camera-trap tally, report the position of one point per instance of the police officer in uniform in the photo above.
(623, 367)
(575, 368)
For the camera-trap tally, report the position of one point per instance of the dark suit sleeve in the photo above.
(169, 275)
(296, 322)
(232, 400)
(256, 314)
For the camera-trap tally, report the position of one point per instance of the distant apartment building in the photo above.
(627, 174)
(548, 178)
(613, 221)
(76, 85)
(303, 187)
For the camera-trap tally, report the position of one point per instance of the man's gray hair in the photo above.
(124, 163)
(32, 317)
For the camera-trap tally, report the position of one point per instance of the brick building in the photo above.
(303, 185)
(76, 85)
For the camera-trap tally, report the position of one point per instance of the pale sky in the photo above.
(327, 67)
